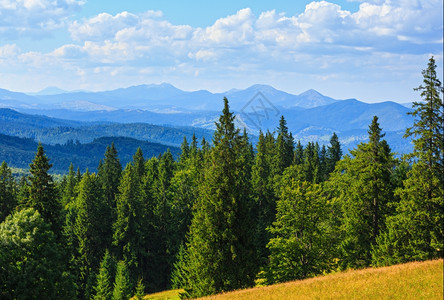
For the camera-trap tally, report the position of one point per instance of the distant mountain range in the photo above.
(310, 116)
(19, 152)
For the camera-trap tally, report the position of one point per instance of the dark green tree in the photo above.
(139, 164)
(8, 191)
(42, 191)
(364, 188)
(89, 231)
(334, 153)
(110, 173)
(298, 154)
(415, 232)
(129, 234)
(283, 155)
(264, 200)
(220, 253)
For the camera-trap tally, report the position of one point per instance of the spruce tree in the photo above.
(264, 200)
(139, 164)
(69, 192)
(122, 284)
(109, 173)
(104, 288)
(8, 189)
(220, 253)
(363, 189)
(283, 155)
(415, 232)
(334, 153)
(42, 191)
(129, 237)
(298, 154)
(89, 232)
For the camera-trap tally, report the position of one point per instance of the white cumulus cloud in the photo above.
(34, 17)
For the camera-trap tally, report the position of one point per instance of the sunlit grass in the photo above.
(165, 295)
(417, 280)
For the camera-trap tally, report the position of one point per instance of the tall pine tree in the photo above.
(220, 253)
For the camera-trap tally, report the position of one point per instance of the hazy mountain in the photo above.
(165, 97)
(51, 90)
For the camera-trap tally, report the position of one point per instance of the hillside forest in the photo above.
(224, 215)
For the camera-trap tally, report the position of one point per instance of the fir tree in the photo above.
(220, 255)
(89, 232)
(334, 153)
(364, 189)
(122, 284)
(264, 200)
(8, 199)
(129, 226)
(415, 232)
(283, 155)
(103, 288)
(139, 164)
(42, 191)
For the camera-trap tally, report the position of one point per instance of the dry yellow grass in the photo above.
(417, 280)
(166, 295)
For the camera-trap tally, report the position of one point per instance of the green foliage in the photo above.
(415, 232)
(42, 191)
(122, 284)
(130, 223)
(264, 199)
(88, 228)
(103, 288)
(220, 253)
(363, 189)
(8, 191)
(140, 290)
(31, 261)
(301, 244)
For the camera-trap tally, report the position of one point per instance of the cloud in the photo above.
(323, 43)
(34, 18)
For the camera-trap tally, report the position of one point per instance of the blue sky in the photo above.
(371, 50)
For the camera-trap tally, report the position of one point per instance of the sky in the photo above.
(372, 50)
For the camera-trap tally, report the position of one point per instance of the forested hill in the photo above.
(19, 152)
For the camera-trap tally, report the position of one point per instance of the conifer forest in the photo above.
(226, 214)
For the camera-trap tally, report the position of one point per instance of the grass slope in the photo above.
(416, 280)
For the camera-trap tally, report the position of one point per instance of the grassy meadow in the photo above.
(416, 280)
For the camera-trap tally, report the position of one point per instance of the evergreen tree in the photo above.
(8, 199)
(298, 154)
(363, 190)
(109, 174)
(264, 200)
(415, 232)
(42, 191)
(139, 164)
(104, 290)
(89, 232)
(283, 155)
(220, 254)
(129, 226)
(140, 290)
(122, 285)
(185, 150)
(334, 153)
(69, 192)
